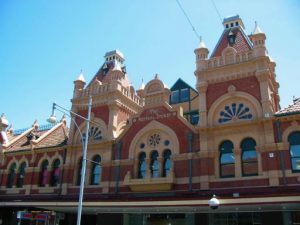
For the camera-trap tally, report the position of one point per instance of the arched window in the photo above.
(55, 173)
(96, 170)
(44, 173)
(167, 162)
(79, 171)
(154, 164)
(294, 140)
(249, 158)
(142, 165)
(21, 175)
(226, 160)
(11, 175)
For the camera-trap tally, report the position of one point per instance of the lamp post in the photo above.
(52, 119)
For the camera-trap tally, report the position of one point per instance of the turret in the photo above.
(78, 85)
(258, 39)
(201, 55)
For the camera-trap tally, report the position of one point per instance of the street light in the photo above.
(214, 202)
(52, 119)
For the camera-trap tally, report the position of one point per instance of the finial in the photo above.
(64, 119)
(142, 85)
(3, 120)
(80, 77)
(202, 44)
(35, 124)
(257, 29)
(156, 76)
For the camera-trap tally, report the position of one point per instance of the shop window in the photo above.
(21, 175)
(227, 159)
(79, 171)
(294, 140)
(44, 173)
(154, 164)
(55, 173)
(142, 165)
(96, 170)
(167, 163)
(11, 175)
(249, 158)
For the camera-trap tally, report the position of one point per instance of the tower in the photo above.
(201, 55)
(258, 39)
(237, 85)
(113, 97)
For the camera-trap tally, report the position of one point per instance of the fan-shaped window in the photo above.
(44, 173)
(55, 172)
(96, 170)
(154, 164)
(294, 140)
(249, 158)
(11, 175)
(227, 159)
(235, 112)
(79, 171)
(167, 162)
(21, 175)
(95, 134)
(142, 165)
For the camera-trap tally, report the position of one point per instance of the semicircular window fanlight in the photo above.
(95, 134)
(235, 112)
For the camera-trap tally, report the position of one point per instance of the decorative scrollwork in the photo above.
(235, 112)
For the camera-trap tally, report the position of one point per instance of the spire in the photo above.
(35, 125)
(257, 29)
(80, 77)
(202, 44)
(142, 85)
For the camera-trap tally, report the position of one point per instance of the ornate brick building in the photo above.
(157, 155)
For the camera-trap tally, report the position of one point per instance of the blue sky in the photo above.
(45, 44)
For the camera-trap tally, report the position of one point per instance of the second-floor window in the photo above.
(21, 175)
(181, 95)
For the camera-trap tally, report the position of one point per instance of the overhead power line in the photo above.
(188, 19)
(217, 10)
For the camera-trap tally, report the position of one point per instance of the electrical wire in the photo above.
(188, 19)
(217, 10)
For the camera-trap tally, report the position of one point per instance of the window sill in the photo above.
(150, 184)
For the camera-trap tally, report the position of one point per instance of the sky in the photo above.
(45, 44)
